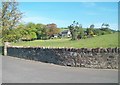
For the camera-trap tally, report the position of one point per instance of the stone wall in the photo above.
(82, 57)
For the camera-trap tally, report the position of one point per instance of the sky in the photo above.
(68, 0)
(64, 13)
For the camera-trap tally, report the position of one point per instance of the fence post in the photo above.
(5, 48)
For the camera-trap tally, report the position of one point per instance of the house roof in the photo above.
(65, 31)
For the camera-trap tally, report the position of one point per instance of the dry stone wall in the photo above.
(82, 57)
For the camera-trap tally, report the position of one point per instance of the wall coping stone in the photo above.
(86, 50)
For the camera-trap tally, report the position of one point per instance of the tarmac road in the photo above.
(0, 69)
(15, 70)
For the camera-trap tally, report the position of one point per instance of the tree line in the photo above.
(30, 31)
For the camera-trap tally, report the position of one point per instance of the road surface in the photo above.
(0, 69)
(15, 70)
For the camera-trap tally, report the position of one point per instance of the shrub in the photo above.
(84, 37)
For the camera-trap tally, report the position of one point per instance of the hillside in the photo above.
(109, 40)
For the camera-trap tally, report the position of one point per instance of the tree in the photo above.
(74, 28)
(105, 28)
(10, 17)
(92, 26)
(105, 25)
(80, 33)
(44, 35)
(97, 32)
(0, 33)
(28, 35)
(14, 35)
(51, 25)
(39, 28)
(52, 31)
(41, 31)
(90, 32)
(33, 36)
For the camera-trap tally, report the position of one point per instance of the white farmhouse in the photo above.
(66, 33)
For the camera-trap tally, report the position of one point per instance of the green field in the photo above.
(109, 40)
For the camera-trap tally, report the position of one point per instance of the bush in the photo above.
(12, 36)
(33, 35)
(84, 37)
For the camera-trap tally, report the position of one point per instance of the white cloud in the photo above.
(35, 19)
(88, 4)
(114, 26)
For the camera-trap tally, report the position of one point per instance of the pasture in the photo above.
(109, 40)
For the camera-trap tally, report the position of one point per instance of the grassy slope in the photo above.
(62, 29)
(110, 40)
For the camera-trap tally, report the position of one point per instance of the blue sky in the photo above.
(64, 13)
